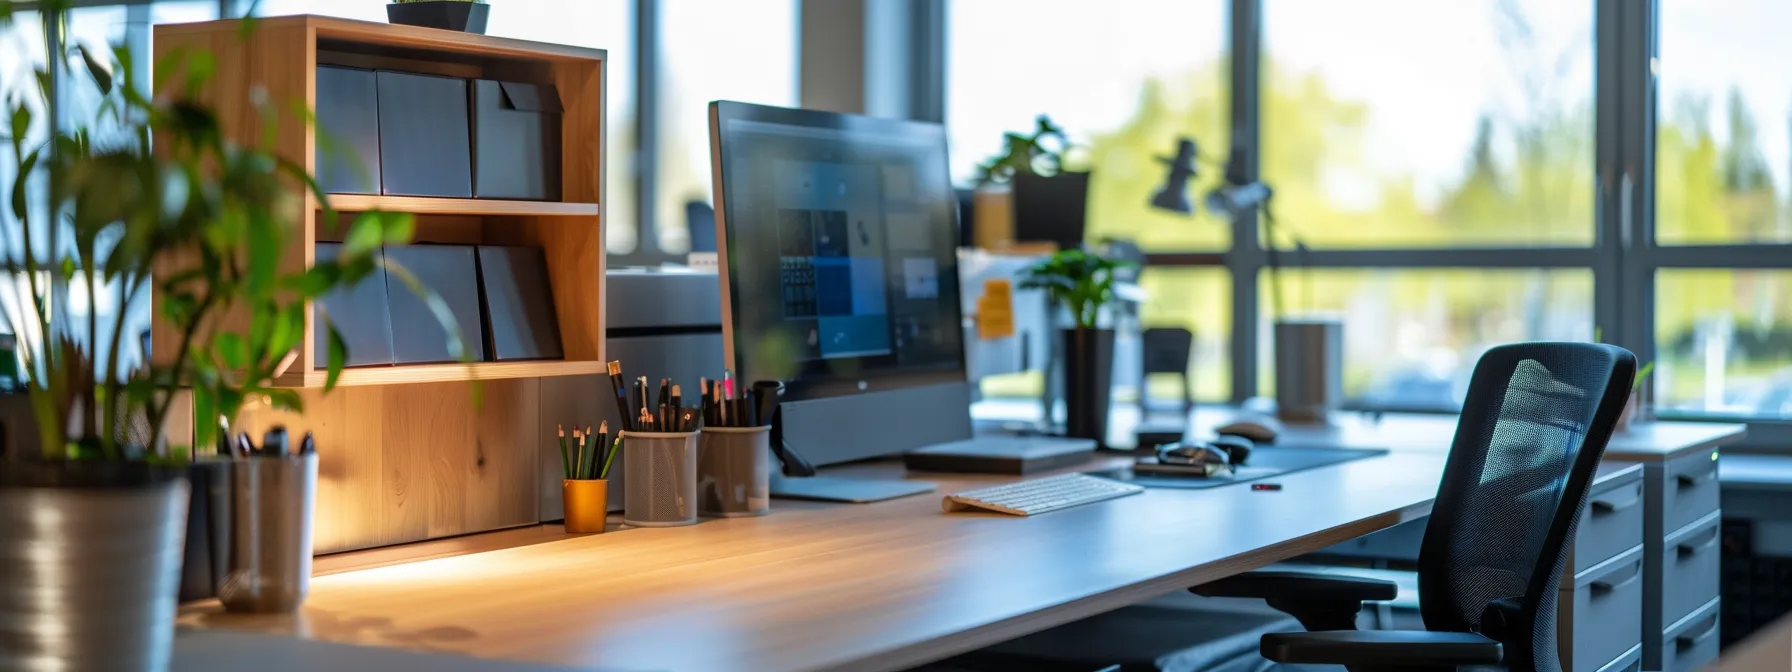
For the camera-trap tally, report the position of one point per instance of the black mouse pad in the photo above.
(1264, 462)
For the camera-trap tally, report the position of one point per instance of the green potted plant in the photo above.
(1046, 201)
(93, 509)
(467, 16)
(1082, 282)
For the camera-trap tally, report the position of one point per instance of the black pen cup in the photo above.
(659, 471)
(734, 471)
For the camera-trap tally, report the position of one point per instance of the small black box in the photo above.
(516, 140)
(360, 314)
(519, 304)
(348, 131)
(450, 271)
(424, 144)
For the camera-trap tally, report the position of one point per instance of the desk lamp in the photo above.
(1232, 197)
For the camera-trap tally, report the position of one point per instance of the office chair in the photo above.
(1532, 432)
(1166, 350)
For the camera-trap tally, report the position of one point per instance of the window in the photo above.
(1412, 336)
(1723, 341)
(1416, 123)
(1724, 105)
(1125, 79)
(744, 50)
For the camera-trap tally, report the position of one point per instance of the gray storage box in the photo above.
(1692, 642)
(519, 304)
(1600, 613)
(361, 315)
(424, 145)
(450, 271)
(348, 130)
(516, 140)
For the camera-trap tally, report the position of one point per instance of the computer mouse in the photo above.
(1256, 428)
(1238, 448)
(1190, 454)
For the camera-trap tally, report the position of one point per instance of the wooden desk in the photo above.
(850, 587)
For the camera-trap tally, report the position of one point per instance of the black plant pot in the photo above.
(1088, 377)
(459, 15)
(1053, 208)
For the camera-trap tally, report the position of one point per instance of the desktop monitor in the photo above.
(838, 251)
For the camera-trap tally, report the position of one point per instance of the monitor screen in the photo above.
(838, 239)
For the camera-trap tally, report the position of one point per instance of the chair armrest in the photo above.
(1318, 601)
(1308, 586)
(1391, 648)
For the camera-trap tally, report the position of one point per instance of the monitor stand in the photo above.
(797, 480)
(843, 489)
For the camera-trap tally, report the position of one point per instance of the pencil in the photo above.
(615, 447)
(565, 462)
(592, 452)
(578, 465)
(603, 448)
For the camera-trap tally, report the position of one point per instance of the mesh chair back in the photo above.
(1532, 431)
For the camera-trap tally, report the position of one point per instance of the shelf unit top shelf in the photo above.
(393, 36)
(422, 205)
(441, 373)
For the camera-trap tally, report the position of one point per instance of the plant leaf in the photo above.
(337, 358)
(101, 71)
(230, 349)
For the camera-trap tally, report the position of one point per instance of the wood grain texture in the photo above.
(574, 248)
(400, 464)
(459, 206)
(843, 587)
(398, 37)
(281, 61)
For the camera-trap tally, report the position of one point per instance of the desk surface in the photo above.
(862, 587)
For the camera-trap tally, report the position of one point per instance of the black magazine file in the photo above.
(424, 146)
(360, 314)
(450, 271)
(519, 304)
(516, 140)
(348, 130)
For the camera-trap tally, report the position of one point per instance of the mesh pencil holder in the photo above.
(734, 471)
(660, 478)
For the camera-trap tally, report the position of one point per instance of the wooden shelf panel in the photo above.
(422, 205)
(438, 373)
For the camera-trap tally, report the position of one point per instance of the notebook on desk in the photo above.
(1013, 455)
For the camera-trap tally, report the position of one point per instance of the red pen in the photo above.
(1266, 486)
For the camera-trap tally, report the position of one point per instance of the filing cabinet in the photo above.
(1599, 622)
(1682, 526)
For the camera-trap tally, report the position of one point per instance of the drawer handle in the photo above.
(1690, 639)
(1694, 480)
(1694, 547)
(1619, 578)
(1616, 504)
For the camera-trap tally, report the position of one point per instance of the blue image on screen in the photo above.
(854, 335)
(833, 286)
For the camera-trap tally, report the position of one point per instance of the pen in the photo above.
(677, 402)
(639, 407)
(308, 445)
(273, 442)
(621, 388)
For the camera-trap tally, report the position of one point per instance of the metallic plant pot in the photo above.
(90, 558)
(1309, 369)
(272, 502)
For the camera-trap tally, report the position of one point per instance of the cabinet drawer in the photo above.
(1689, 568)
(1611, 524)
(1631, 661)
(1600, 615)
(1691, 643)
(1685, 489)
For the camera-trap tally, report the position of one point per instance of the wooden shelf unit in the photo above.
(282, 58)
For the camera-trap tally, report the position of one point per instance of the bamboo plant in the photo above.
(1077, 279)
(200, 219)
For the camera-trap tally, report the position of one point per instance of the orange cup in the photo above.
(586, 503)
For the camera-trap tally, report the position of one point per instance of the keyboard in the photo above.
(1039, 495)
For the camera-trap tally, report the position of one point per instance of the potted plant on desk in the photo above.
(1027, 187)
(1082, 282)
(92, 496)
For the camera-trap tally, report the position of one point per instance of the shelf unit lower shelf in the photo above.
(422, 205)
(442, 373)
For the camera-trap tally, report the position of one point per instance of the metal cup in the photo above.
(273, 500)
(660, 477)
(734, 471)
